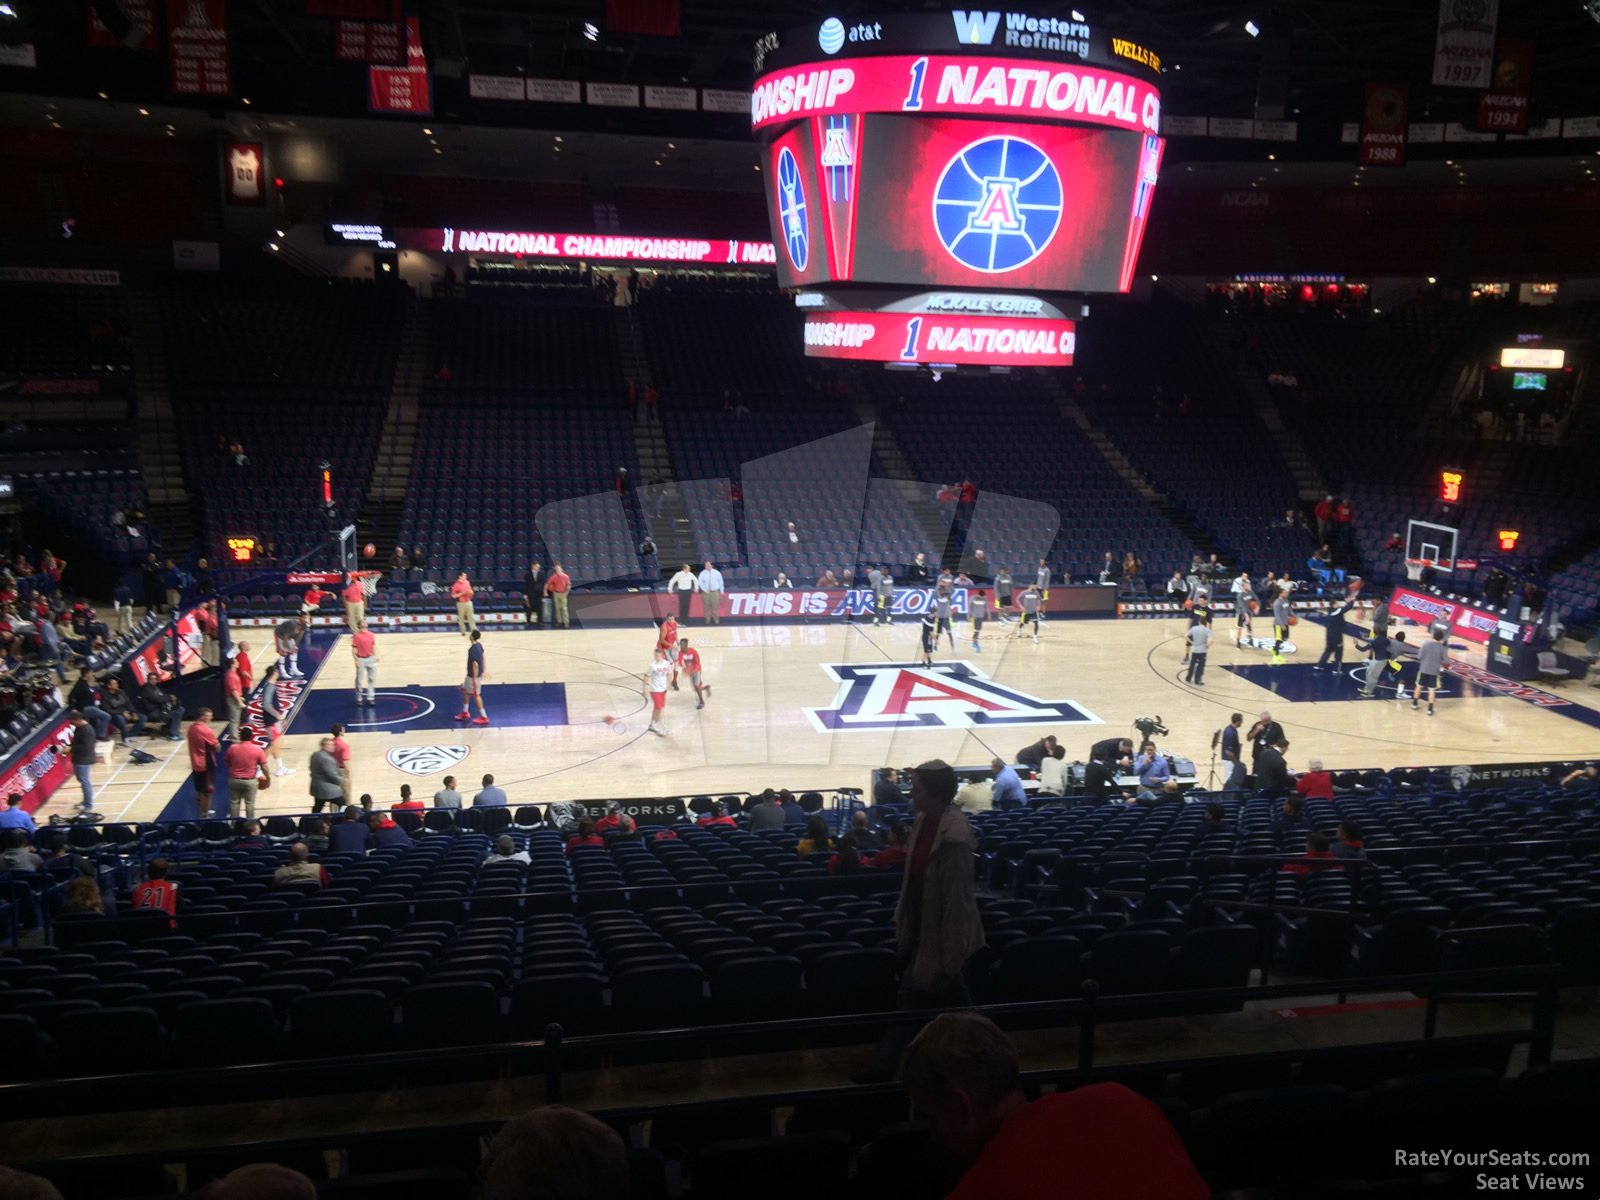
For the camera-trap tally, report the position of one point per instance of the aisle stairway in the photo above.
(172, 512)
(391, 469)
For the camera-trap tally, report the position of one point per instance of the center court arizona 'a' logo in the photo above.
(947, 695)
(426, 760)
(997, 204)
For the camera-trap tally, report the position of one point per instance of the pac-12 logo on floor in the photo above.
(1266, 643)
(947, 695)
(426, 760)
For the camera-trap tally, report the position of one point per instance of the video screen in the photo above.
(945, 202)
(155, 660)
(1529, 381)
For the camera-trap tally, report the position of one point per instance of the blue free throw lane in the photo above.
(411, 707)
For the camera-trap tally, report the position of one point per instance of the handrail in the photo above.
(1090, 1010)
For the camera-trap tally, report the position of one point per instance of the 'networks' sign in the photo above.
(1022, 31)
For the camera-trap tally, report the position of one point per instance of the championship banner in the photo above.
(244, 168)
(132, 24)
(1505, 108)
(1383, 126)
(1463, 49)
(197, 48)
(369, 41)
(935, 338)
(407, 89)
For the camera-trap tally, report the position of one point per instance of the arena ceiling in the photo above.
(1308, 64)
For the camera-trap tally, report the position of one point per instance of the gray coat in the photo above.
(934, 940)
(326, 783)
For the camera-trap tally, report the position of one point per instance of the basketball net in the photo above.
(368, 581)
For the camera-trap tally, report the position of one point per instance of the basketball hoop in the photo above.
(368, 581)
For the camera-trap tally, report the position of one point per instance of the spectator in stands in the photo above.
(19, 854)
(250, 837)
(612, 820)
(847, 860)
(1007, 793)
(1102, 1140)
(1324, 514)
(1316, 848)
(794, 813)
(490, 796)
(299, 867)
(14, 816)
(1215, 818)
(505, 851)
(161, 709)
(936, 923)
(83, 896)
(827, 579)
(975, 796)
(897, 851)
(157, 892)
(1131, 569)
(326, 782)
(419, 561)
(407, 803)
(586, 836)
(717, 816)
(1291, 822)
(261, 1181)
(1584, 777)
(316, 837)
(50, 650)
(564, 815)
(887, 788)
(766, 812)
(1033, 756)
(399, 562)
(350, 835)
(447, 796)
(861, 830)
(386, 832)
(816, 839)
(556, 1152)
(1177, 588)
(557, 588)
(1350, 841)
(1314, 783)
(1272, 772)
(1344, 524)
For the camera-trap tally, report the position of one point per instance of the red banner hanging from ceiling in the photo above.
(1504, 107)
(658, 18)
(197, 48)
(121, 24)
(406, 89)
(1383, 126)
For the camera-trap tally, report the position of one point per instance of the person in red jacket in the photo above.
(407, 804)
(586, 836)
(1316, 848)
(1315, 783)
(1103, 1140)
(893, 856)
(718, 816)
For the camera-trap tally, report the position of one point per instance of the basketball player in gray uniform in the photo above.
(1280, 624)
(1430, 665)
(885, 597)
(1041, 580)
(1029, 602)
(941, 609)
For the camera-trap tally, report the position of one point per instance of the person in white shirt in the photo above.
(1053, 772)
(710, 582)
(977, 795)
(1244, 595)
(657, 678)
(685, 585)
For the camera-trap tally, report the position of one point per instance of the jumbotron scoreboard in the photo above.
(962, 157)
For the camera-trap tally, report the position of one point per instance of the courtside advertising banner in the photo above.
(1383, 126)
(1471, 624)
(197, 48)
(931, 338)
(1463, 48)
(41, 767)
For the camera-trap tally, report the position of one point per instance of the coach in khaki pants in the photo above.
(710, 581)
(557, 587)
(355, 603)
(247, 770)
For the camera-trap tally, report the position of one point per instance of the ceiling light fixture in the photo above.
(1252, 29)
(591, 31)
(426, 132)
(144, 112)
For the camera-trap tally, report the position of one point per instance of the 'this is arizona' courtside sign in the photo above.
(947, 695)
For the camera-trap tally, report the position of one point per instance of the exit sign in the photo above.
(1450, 486)
(241, 549)
(1509, 538)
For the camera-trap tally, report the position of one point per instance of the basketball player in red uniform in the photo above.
(667, 643)
(689, 663)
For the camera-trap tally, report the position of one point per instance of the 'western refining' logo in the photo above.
(947, 695)
(426, 760)
(1022, 32)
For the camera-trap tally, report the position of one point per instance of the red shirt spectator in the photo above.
(891, 858)
(411, 805)
(1323, 512)
(709, 820)
(156, 894)
(1344, 514)
(244, 760)
(1315, 785)
(608, 822)
(201, 740)
(576, 840)
(559, 581)
(314, 596)
(1300, 868)
(969, 492)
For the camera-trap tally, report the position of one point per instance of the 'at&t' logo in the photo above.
(792, 210)
(997, 204)
(949, 695)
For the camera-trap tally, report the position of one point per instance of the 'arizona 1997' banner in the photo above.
(1463, 48)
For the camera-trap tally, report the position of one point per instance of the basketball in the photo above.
(1255, 606)
(608, 718)
(1293, 620)
(369, 550)
(1187, 605)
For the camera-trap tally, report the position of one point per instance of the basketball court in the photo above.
(819, 705)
